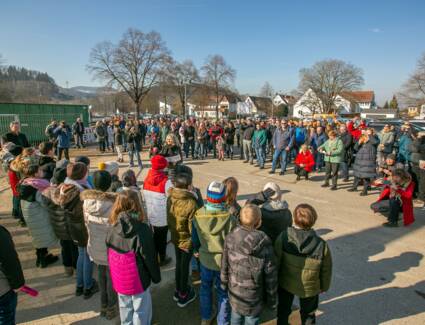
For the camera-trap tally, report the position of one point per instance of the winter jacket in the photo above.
(66, 213)
(164, 132)
(305, 159)
(229, 135)
(417, 149)
(63, 136)
(275, 216)
(189, 133)
(100, 133)
(11, 275)
(318, 140)
(173, 154)
(133, 140)
(215, 131)
(13, 181)
(365, 162)
(249, 132)
(35, 215)
(406, 195)
(78, 128)
(155, 197)
(304, 262)
(181, 208)
(404, 144)
(131, 255)
(386, 142)
(259, 139)
(19, 139)
(282, 139)
(202, 136)
(300, 135)
(248, 270)
(211, 226)
(118, 136)
(97, 207)
(333, 150)
(347, 141)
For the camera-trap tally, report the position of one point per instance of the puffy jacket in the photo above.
(66, 213)
(305, 159)
(248, 270)
(131, 248)
(155, 197)
(97, 206)
(36, 217)
(365, 162)
(211, 226)
(181, 207)
(304, 262)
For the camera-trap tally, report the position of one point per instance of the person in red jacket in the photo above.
(215, 131)
(304, 162)
(400, 195)
(356, 131)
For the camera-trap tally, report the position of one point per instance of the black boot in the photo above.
(47, 259)
(37, 253)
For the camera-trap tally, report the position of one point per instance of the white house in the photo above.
(349, 102)
(259, 105)
(165, 108)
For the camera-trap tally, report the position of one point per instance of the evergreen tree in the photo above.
(394, 103)
(386, 105)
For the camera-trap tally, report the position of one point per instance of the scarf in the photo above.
(38, 183)
(275, 205)
(80, 184)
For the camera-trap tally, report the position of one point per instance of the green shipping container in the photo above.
(35, 117)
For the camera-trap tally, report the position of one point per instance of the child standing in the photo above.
(132, 259)
(305, 266)
(248, 268)
(97, 206)
(212, 224)
(181, 207)
(220, 147)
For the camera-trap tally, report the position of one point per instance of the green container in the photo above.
(35, 117)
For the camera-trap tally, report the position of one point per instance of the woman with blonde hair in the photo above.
(132, 259)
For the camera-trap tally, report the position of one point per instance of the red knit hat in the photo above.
(158, 162)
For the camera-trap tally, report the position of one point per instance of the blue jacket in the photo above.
(300, 135)
(318, 140)
(403, 148)
(63, 136)
(283, 139)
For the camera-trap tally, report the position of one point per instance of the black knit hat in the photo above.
(59, 175)
(76, 171)
(102, 180)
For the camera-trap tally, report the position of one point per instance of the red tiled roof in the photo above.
(365, 96)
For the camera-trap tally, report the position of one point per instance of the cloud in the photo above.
(375, 30)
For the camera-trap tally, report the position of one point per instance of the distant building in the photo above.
(287, 100)
(379, 113)
(226, 107)
(349, 102)
(259, 105)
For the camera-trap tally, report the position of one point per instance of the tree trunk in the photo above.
(137, 110)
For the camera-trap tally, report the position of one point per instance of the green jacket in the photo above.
(212, 227)
(181, 208)
(259, 139)
(335, 148)
(304, 262)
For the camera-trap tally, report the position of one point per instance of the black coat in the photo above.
(130, 234)
(18, 139)
(229, 135)
(365, 162)
(347, 141)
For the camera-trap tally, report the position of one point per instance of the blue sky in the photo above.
(268, 40)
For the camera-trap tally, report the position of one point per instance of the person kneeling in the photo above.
(304, 266)
(304, 163)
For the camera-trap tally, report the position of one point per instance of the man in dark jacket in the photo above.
(417, 163)
(78, 132)
(11, 277)
(283, 140)
(15, 136)
(248, 268)
(189, 139)
(347, 141)
(247, 142)
(133, 145)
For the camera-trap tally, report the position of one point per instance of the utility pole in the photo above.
(185, 101)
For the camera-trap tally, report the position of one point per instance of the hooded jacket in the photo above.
(181, 208)
(66, 213)
(304, 262)
(35, 215)
(365, 162)
(97, 207)
(306, 159)
(130, 240)
(211, 226)
(248, 270)
(155, 197)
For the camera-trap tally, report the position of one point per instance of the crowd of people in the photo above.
(258, 255)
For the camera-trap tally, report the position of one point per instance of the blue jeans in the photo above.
(344, 169)
(319, 158)
(208, 278)
(283, 155)
(261, 155)
(8, 303)
(131, 154)
(238, 319)
(136, 309)
(84, 269)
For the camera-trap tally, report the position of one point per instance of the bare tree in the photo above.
(180, 76)
(218, 75)
(133, 65)
(413, 91)
(328, 79)
(267, 90)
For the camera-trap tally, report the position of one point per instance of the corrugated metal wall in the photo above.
(35, 117)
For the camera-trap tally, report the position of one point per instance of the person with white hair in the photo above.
(276, 216)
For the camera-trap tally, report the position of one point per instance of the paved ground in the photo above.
(379, 273)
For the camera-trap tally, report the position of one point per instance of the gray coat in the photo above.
(38, 222)
(365, 162)
(97, 207)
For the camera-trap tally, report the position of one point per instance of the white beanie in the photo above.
(277, 195)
